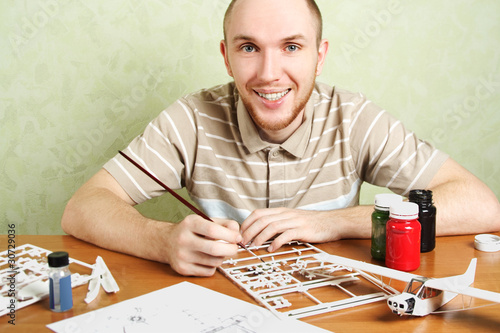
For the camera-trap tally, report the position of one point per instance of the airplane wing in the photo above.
(483, 294)
(459, 284)
(447, 285)
(456, 284)
(366, 267)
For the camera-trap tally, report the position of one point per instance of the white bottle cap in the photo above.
(384, 201)
(487, 243)
(404, 211)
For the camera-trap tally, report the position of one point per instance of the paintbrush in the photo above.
(178, 197)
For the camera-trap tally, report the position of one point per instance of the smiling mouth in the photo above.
(274, 96)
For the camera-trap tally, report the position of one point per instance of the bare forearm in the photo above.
(465, 209)
(465, 205)
(100, 217)
(353, 222)
(101, 212)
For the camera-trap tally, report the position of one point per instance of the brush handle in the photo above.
(178, 197)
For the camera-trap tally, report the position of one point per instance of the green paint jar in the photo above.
(380, 216)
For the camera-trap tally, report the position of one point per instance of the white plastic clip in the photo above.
(100, 276)
(487, 243)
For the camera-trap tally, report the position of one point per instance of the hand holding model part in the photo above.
(308, 226)
(287, 224)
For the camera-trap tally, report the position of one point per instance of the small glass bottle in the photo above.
(61, 296)
(380, 216)
(403, 237)
(426, 217)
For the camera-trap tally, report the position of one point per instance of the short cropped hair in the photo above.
(310, 3)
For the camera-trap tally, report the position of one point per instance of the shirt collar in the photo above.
(296, 144)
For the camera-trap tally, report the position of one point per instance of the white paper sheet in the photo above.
(184, 307)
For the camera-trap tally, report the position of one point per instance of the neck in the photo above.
(280, 136)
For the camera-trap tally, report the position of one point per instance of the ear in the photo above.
(322, 52)
(224, 52)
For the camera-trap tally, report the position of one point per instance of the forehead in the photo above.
(271, 19)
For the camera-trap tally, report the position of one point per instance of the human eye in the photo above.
(248, 48)
(292, 48)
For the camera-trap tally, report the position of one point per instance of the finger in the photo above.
(257, 215)
(190, 269)
(216, 249)
(204, 259)
(254, 216)
(204, 270)
(195, 263)
(187, 262)
(230, 224)
(217, 231)
(201, 239)
(265, 228)
(255, 224)
(282, 239)
(273, 229)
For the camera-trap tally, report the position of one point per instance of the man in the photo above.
(276, 151)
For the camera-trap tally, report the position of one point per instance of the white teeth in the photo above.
(274, 96)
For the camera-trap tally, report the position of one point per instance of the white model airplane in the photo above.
(422, 295)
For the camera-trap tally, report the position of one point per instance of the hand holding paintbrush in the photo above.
(177, 196)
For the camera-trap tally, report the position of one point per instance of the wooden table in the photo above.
(136, 277)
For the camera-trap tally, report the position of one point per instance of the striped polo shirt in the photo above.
(208, 143)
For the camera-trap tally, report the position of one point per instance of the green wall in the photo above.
(80, 79)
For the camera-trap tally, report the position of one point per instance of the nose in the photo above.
(397, 308)
(270, 67)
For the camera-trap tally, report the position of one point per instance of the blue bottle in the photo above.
(61, 296)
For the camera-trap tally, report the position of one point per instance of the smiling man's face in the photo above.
(271, 51)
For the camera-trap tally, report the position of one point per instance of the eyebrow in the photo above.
(242, 37)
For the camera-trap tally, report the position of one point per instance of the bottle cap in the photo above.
(58, 259)
(487, 243)
(420, 195)
(384, 201)
(404, 211)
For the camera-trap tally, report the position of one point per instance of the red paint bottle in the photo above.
(403, 237)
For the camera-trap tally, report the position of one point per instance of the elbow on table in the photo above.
(496, 218)
(69, 217)
(491, 214)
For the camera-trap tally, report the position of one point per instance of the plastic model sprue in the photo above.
(301, 280)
